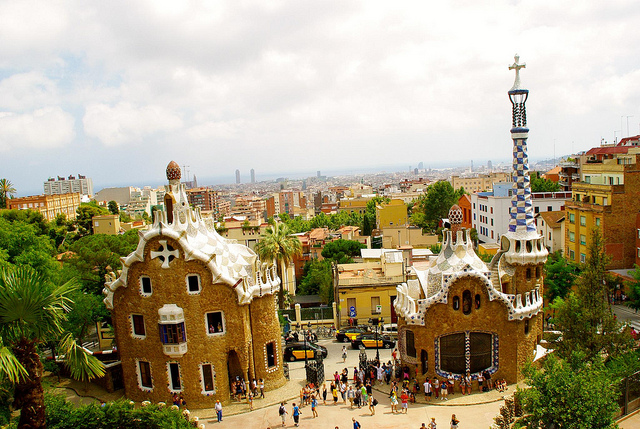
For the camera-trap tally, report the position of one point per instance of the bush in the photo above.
(120, 414)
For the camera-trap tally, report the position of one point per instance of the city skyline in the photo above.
(115, 90)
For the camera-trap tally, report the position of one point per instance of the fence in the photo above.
(318, 316)
(316, 313)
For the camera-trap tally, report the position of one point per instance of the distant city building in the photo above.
(480, 182)
(82, 185)
(121, 195)
(607, 196)
(489, 165)
(550, 228)
(292, 202)
(237, 176)
(421, 165)
(49, 205)
(205, 199)
(253, 176)
(318, 173)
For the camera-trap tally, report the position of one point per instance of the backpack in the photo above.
(281, 411)
(358, 424)
(375, 402)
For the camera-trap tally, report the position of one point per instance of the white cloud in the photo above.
(49, 127)
(27, 90)
(124, 123)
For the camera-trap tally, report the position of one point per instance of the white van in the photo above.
(390, 329)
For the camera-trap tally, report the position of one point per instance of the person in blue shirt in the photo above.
(356, 424)
(296, 414)
(314, 406)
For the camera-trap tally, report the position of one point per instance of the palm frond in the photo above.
(10, 367)
(82, 365)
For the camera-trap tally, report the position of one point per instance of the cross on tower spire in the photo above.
(516, 66)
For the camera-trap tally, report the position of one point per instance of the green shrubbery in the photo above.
(121, 414)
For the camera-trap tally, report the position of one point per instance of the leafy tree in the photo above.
(370, 212)
(317, 280)
(62, 232)
(87, 310)
(24, 244)
(577, 393)
(33, 311)
(435, 205)
(559, 276)
(539, 184)
(342, 251)
(93, 256)
(278, 245)
(588, 326)
(31, 217)
(84, 213)
(113, 207)
(633, 288)
(6, 191)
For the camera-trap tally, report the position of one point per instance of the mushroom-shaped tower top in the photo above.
(173, 171)
(455, 215)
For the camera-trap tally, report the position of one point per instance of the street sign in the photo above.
(352, 311)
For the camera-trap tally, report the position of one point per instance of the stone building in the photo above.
(462, 315)
(193, 311)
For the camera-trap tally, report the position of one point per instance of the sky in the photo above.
(114, 90)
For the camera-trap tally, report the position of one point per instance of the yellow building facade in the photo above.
(391, 214)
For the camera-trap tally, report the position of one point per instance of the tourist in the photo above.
(467, 382)
(364, 395)
(380, 373)
(336, 377)
(480, 382)
(334, 392)
(314, 405)
(218, 408)
(394, 355)
(296, 414)
(487, 377)
(355, 374)
(358, 397)
(324, 394)
(454, 422)
(261, 384)
(344, 377)
(451, 384)
(432, 424)
(436, 387)
(423, 426)
(356, 424)
(427, 390)
(344, 354)
(394, 402)
(351, 395)
(176, 400)
(250, 400)
(282, 411)
(443, 390)
(372, 404)
(404, 398)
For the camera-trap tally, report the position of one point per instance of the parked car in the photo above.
(369, 341)
(390, 329)
(295, 351)
(345, 335)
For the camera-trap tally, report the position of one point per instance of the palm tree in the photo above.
(277, 244)
(32, 312)
(6, 189)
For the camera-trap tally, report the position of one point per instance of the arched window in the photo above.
(410, 343)
(476, 301)
(466, 302)
(456, 303)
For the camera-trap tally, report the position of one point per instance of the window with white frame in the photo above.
(214, 321)
(173, 375)
(193, 284)
(207, 379)
(583, 258)
(145, 286)
(137, 326)
(145, 381)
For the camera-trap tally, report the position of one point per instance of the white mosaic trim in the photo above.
(169, 386)
(213, 375)
(139, 374)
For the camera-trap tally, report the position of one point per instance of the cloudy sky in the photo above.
(116, 89)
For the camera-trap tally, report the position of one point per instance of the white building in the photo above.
(490, 210)
(82, 185)
(549, 226)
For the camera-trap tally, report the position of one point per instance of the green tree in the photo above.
(342, 251)
(6, 191)
(539, 184)
(88, 309)
(435, 205)
(33, 311)
(113, 207)
(317, 280)
(370, 213)
(278, 245)
(93, 256)
(84, 213)
(559, 276)
(577, 393)
(588, 326)
(633, 288)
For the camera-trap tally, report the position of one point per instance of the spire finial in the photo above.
(517, 66)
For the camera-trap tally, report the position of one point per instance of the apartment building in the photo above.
(49, 205)
(70, 185)
(607, 197)
(491, 210)
(480, 182)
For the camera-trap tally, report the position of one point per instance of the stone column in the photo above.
(298, 316)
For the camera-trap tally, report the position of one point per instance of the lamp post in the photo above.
(305, 346)
(376, 322)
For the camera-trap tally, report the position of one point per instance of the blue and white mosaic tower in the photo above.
(522, 242)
